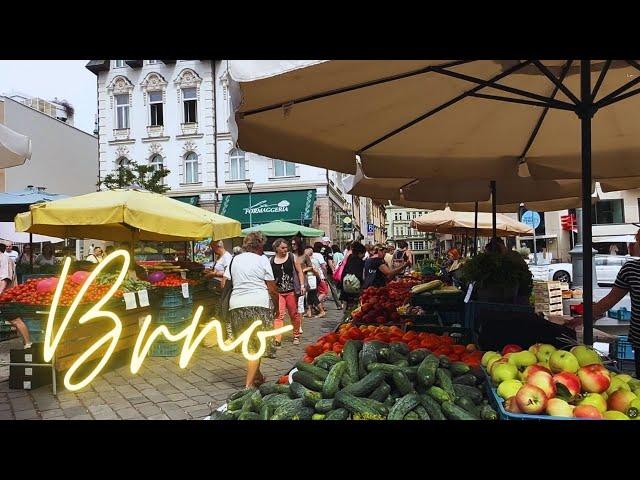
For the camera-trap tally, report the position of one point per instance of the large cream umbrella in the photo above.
(473, 118)
(461, 223)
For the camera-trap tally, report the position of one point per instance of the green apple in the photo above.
(495, 361)
(509, 388)
(502, 372)
(624, 377)
(617, 384)
(545, 365)
(544, 352)
(614, 415)
(586, 355)
(596, 400)
(634, 383)
(563, 361)
(488, 356)
(522, 359)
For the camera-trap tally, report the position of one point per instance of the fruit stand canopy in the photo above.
(456, 223)
(290, 206)
(125, 215)
(278, 228)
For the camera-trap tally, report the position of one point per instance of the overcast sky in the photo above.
(47, 79)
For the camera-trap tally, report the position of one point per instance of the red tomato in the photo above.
(337, 347)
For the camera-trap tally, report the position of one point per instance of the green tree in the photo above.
(133, 174)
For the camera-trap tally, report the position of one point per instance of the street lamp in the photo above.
(249, 185)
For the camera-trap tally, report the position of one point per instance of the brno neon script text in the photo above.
(141, 348)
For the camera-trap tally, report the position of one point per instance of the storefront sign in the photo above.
(55, 331)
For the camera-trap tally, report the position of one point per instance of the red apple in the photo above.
(531, 400)
(511, 348)
(594, 378)
(620, 400)
(531, 369)
(570, 381)
(511, 406)
(544, 381)
(587, 411)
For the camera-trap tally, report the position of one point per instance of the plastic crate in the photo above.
(451, 318)
(165, 349)
(622, 349)
(173, 315)
(174, 328)
(171, 299)
(451, 301)
(620, 314)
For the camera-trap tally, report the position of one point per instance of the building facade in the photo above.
(399, 228)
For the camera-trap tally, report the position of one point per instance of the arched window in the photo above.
(123, 162)
(191, 168)
(156, 162)
(236, 165)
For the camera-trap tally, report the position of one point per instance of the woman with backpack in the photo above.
(352, 274)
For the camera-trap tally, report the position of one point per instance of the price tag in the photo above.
(183, 275)
(469, 291)
(130, 300)
(143, 298)
(185, 290)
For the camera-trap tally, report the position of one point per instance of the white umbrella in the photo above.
(15, 148)
(8, 232)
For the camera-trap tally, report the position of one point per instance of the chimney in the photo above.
(41, 189)
(30, 187)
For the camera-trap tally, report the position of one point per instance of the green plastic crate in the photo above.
(165, 349)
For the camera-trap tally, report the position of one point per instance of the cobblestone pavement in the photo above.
(161, 390)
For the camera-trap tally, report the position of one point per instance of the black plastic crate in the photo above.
(448, 301)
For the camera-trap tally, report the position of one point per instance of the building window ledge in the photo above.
(121, 133)
(189, 135)
(236, 181)
(189, 128)
(155, 130)
(186, 185)
(155, 139)
(285, 178)
(122, 142)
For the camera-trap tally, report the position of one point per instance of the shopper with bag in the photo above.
(352, 274)
(252, 286)
(290, 282)
(376, 271)
(314, 276)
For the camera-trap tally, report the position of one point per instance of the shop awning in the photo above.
(290, 206)
(191, 200)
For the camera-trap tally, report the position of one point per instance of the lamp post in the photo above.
(249, 185)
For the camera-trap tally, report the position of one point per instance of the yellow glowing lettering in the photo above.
(140, 352)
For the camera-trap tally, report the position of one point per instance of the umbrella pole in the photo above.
(31, 253)
(585, 112)
(475, 232)
(493, 207)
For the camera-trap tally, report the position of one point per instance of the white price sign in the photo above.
(143, 298)
(185, 290)
(130, 301)
(183, 275)
(469, 292)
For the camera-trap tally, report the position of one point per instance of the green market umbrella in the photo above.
(278, 228)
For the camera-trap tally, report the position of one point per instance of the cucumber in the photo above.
(439, 394)
(337, 414)
(357, 405)
(216, 415)
(304, 413)
(324, 405)
(467, 404)
(381, 393)
(466, 379)
(268, 388)
(249, 416)
(459, 368)
(362, 371)
(411, 416)
(403, 362)
(256, 401)
(276, 400)
(379, 407)
(416, 356)
(488, 413)
(403, 406)
(308, 380)
(368, 355)
(346, 380)
(365, 386)
(446, 372)
(389, 402)
(454, 412)
(235, 413)
(237, 403)
(400, 347)
(318, 416)
(402, 383)
(266, 411)
(383, 354)
(332, 383)
(241, 393)
(444, 381)
(422, 413)
(388, 369)
(310, 397)
(289, 409)
(466, 391)
(432, 407)
(350, 355)
(330, 358)
(321, 373)
(427, 371)
(396, 356)
(444, 361)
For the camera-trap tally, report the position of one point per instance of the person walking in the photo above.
(223, 259)
(96, 256)
(46, 257)
(290, 282)
(402, 256)
(12, 252)
(338, 256)
(254, 287)
(355, 268)
(314, 275)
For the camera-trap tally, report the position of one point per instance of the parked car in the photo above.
(607, 268)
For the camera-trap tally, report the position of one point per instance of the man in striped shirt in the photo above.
(628, 281)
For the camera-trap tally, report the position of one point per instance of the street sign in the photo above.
(371, 228)
(531, 218)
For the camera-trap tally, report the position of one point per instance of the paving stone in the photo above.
(149, 410)
(177, 415)
(137, 400)
(22, 403)
(176, 396)
(130, 414)
(48, 414)
(160, 416)
(74, 412)
(27, 415)
(82, 417)
(4, 406)
(202, 399)
(6, 415)
(70, 404)
(186, 403)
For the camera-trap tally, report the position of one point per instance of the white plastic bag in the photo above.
(301, 304)
(313, 282)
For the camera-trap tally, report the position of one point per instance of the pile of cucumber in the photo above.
(369, 381)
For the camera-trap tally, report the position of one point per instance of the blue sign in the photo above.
(531, 218)
(371, 228)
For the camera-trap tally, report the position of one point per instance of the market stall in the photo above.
(167, 290)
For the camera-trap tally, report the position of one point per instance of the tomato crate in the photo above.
(460, 334)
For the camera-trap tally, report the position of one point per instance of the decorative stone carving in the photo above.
(121, 133)
(122, 151)
(154, 131)
(118, 86)
(154, 82)
(155, 149)
(187, 79)
(189, 146)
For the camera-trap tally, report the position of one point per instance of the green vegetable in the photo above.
(381, 393)
(321, 373)
(467, 404)
(332, 383)
(327, 357)
(357, 405)
(488, 413)
(368, 355)
(266, 412)
(362, 371)
(403, 362)
(459, 368)
(276, 400)
(403, 406)
(350, 355)
(366, 385)
(411, 416)
(427, 371)
(444, 361)
(453, 412)
(289, 409)
(422, 413)
(249, 416)
(216, 415)
(432, 407)
(338, 414)
(240, 394)
(418, 355)
(305, 413)
(466, 391)
(402, 383)
(389, 369)
(309, 396)
(400, 347)
(439, 394)
(308, 380)
(444, 381)
(256, 401)
(324, 405)
(466, 379)
(318, 416)
(238, 402)
(247, 406)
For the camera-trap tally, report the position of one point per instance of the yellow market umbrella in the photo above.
(125, 215)
(460, 223)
